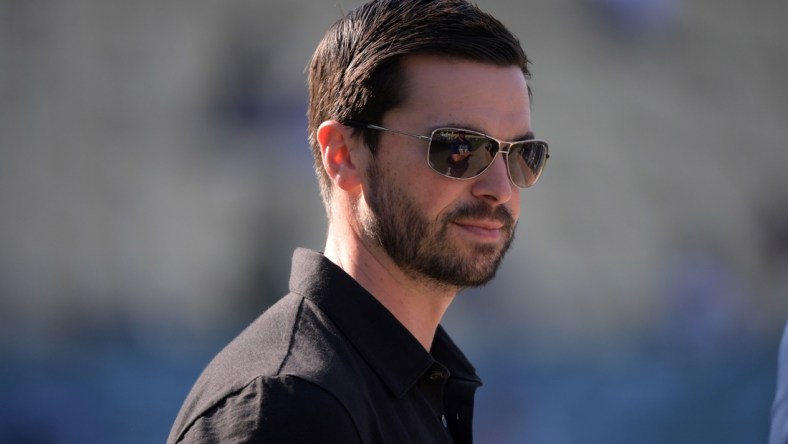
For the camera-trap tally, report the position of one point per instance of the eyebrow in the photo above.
(528, 136)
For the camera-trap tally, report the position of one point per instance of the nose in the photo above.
(494, 184)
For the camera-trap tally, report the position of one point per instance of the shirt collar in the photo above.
(387, 346)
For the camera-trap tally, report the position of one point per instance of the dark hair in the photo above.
(356, 71)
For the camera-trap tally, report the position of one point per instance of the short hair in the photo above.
(356, 71)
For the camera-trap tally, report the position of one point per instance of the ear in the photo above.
(337, 147)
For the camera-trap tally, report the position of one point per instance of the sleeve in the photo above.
(779, 429)
(283, 409)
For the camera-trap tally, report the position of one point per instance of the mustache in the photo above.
(481, 210)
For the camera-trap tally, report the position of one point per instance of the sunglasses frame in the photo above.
(504, 148)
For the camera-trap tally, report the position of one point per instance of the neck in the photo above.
(417, 305)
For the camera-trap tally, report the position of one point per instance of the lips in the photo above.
(485, 230)
(483, 221)
(483, 225)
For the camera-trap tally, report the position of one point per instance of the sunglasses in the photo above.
(465, 154)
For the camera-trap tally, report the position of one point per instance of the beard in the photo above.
(423, 249)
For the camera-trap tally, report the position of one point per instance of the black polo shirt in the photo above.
(329, 364)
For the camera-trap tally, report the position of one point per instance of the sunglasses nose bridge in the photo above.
(503, 147)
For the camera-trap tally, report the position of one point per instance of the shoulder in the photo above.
(289, 359)
(274, 409)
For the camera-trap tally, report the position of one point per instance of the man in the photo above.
(354, 353)
(460, 155)
(779, 432)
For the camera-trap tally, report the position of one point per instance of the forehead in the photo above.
(442, 91)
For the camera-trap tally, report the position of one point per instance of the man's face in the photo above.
(437, 229)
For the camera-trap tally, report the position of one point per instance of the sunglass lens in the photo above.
(460, 154)
(526, 162)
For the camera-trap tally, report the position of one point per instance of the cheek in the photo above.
(514, 204)
(438, 196)
(418, 185)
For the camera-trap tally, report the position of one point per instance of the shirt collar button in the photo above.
(436, 376)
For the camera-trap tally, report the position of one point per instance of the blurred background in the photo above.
(155, 178)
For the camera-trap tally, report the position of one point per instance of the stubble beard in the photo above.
(425, 250)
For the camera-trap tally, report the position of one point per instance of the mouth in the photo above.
(481, 223)
(485, 230)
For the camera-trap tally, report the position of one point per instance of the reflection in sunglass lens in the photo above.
(526, 160)
(460, 154)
